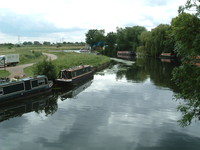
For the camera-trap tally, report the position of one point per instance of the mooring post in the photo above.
(4, 60)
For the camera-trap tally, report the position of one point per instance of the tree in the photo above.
(186, 31)
(110, 41)
(95, 38)
(128, 38)
(159, 37)
(145, 40)
(46, 67)
(36, 43)
(46, 43)
(187, 79)
(27, 43)
(191, 4)
(154, 42)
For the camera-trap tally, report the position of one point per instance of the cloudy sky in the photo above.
(69, 20)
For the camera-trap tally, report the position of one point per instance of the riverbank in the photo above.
(67, 60)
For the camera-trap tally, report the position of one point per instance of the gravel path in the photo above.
(17, 71)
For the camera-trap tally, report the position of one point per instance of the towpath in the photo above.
(18, 71)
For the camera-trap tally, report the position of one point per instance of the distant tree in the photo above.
(110, 42)
(46, 43)
(128, 38)
(156, 41)
(145, 47)
(29, 43)
(37, 43)
(95, 38)
(159, 38)
(25, 43)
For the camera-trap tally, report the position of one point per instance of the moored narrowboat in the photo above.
(168, 55)
(125, 54)
(74, 75)
(25, 87)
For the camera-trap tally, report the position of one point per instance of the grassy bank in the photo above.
(4, 73)
(67, 60)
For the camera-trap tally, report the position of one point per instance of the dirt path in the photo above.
(50, 56)
(18, 71)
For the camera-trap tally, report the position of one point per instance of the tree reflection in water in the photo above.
(183, 80)
(47, 104)
(187, 79)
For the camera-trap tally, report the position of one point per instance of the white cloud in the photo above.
(89, 14)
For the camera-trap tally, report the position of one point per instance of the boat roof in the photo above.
(76, 68)
(8, 80)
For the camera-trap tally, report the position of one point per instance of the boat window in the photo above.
(13, 88)
(69, 75)
(74, 74)
(64, 74)
(1, 91)
(46, 81)
(27, 85)
(34, 83)
(41, 82)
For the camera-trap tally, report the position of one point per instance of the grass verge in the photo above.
(4, 73)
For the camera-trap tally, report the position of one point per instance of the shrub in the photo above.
(46, 67)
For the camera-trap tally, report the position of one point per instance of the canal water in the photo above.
(128, 106)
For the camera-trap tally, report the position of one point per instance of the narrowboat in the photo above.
(125, 54)
(168, 55)
(25, 87)
(74, 75)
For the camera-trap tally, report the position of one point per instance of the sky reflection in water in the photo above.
(109, 114)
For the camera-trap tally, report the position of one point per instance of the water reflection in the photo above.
(160, 73)
(185, 82)
(187, 78)
(119, 110)
(47, 103)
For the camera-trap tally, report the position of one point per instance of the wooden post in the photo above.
(4, 64)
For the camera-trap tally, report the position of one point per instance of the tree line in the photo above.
(181, 36)
(37, 43)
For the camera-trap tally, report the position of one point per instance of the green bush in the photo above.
(46, 67)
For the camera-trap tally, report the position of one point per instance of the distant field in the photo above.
(14, 49)
(30, 54)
